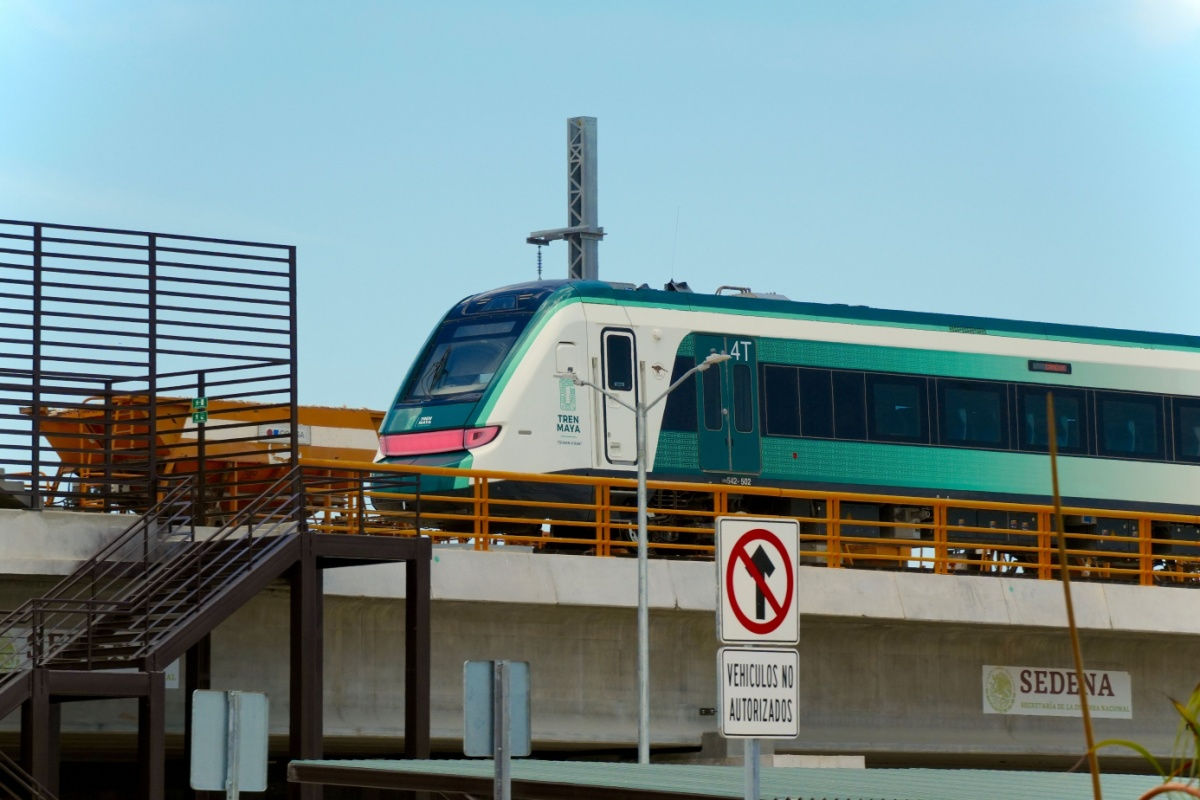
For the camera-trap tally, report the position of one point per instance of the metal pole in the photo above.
(750, 757)
(36, 498)
(640, 409)
(643, 612)
(233, 743)
(152, 421)
(200, 506)
(501, 754)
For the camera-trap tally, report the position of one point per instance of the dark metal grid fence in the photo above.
(108, 341)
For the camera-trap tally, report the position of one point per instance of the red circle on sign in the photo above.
(738, 555)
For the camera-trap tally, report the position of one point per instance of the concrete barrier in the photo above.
(890, 662)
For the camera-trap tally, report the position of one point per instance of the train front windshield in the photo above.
(461, 360)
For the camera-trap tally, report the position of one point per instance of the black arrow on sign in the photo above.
(765, 567)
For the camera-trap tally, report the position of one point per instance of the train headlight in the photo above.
(429, 442)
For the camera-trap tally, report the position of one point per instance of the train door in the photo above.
(728, 406)
(619, 360)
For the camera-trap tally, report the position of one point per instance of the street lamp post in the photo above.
(643, 610)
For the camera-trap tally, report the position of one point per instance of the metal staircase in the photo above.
(156, 591)
(153, 592)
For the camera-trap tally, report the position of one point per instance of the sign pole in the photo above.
(502, 786)
(750, 756)
(233, 744)
(229, 742)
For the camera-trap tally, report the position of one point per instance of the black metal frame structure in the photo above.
(110, 342)
(98, 326)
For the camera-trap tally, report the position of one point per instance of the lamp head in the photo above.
(570, 375)
(713, 358)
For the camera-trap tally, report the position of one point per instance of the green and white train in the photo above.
(829, 397)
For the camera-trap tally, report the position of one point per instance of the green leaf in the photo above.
(1137, 748)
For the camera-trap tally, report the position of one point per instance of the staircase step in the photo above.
(96, 663)
(97, 654)
(101, 638)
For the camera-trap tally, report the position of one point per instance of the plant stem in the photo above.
(1065, 573)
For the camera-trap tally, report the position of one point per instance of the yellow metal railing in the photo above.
(490, 509)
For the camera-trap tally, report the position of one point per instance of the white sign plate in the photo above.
(757, 562)
(759, 694)
(215, 734)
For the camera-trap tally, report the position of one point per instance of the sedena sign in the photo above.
(1051, 692)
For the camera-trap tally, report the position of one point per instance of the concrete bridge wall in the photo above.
(890, 663)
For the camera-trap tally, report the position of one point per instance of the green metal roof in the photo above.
(555, 779)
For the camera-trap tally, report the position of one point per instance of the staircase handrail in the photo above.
(89, 578)
(144, 598)
(267, 522)
(26, 784)
(28, 623)
(109, 587)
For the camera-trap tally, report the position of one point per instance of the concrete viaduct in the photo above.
(891, 663)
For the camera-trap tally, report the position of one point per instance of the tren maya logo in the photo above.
(566, 395)
(999, 689)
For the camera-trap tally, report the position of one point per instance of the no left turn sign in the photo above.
(756, 580)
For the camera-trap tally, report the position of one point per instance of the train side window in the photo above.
(849, 405)
(680, 411)
(743, 398)
(972, 414)
(781, 401)
(816, 403)
(712, 399)
(1129, 425)
(1187, 429)
(1070, 422)
(618, 362)
(898, 410)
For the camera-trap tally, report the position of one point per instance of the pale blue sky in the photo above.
(1025, 159)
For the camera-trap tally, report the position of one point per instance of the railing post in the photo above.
(299, 487)
(35, 636)
(941, 537)
(362, 504)
(90, 633)
(106, 470)
(1145, 552)
(833, 530)
(35, 442)
(482, 542)
(417, 500)
(200, 505)
(151, 370)
(1045, 545)
(601, 495)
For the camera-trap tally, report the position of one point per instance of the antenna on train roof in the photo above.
(582, 233)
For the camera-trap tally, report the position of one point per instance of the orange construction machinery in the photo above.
(108, 448)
